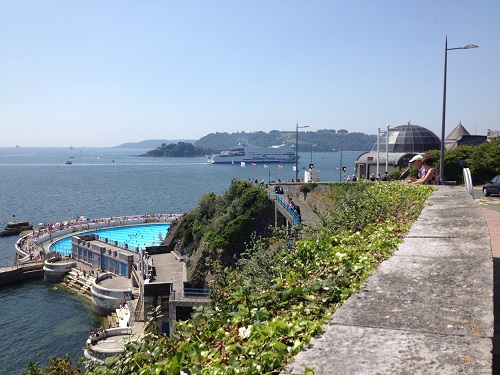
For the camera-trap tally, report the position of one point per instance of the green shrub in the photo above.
(307, 187)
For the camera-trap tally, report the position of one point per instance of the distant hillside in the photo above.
(151, 143)
(323, 140)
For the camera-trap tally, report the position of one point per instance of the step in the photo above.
(115, 319)
(84, 289)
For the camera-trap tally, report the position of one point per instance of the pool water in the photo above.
(135, 236)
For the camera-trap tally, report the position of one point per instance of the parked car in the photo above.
(492, 187)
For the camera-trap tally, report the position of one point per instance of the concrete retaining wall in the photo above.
(55, 269)
(12, 275)
(106, 300)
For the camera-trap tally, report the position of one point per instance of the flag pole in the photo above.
(340, 166)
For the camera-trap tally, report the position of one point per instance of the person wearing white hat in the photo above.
(415, 158)
(416, 161)
(431, 173)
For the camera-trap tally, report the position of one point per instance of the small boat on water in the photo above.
(68, 162)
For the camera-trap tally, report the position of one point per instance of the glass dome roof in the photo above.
(409, 138)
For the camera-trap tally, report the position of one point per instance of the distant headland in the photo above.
(324, 140)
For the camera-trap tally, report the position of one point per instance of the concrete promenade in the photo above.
(493, 219)
(428, 309)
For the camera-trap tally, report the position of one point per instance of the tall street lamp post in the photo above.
(441, 156)
(297, 149)
(312, 153)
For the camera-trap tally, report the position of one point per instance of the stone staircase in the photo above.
(118, 318)
(112, 321)
(78, 283)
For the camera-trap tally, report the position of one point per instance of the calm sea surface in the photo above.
(40, 320)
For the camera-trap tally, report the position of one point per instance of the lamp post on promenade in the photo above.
(387, 150)
(378, 148)
(312, 153)
(441, 156)
(297, 149)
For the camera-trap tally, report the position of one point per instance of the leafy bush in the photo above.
(219, 220)
(308, 187)
(482, 160)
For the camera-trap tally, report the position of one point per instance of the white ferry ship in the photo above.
(275, 154)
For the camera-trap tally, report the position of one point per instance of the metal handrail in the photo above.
(195, 292)
(295, 216)
(138, 308)
(468, 181)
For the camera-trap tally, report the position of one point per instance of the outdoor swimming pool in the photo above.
(134, 236)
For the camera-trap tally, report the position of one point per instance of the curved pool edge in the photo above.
(35, 246)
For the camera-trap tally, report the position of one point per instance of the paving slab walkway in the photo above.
(428, 309)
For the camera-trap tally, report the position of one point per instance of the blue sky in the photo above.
(101, 73)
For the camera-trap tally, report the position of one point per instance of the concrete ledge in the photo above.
(16, 274)
(365, 350)
(55, 269)
(428, 308)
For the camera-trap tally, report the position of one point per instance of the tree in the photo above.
(483, 161)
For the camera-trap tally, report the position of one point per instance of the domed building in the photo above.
(403, 143)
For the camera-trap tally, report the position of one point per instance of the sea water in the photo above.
(40, 319)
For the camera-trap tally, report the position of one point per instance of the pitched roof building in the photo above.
(460, 137)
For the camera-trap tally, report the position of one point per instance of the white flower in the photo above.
(245, 332)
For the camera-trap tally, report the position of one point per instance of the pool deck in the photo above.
(116, 282)
(119, 341)
(33, 246)
(168, 269)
